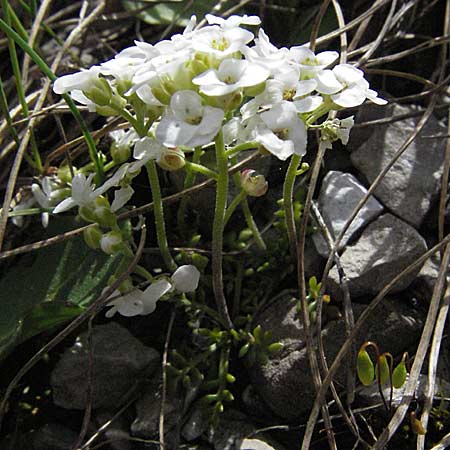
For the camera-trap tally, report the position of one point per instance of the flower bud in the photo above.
(102, 212)
(64, 174)
(92, 236)
(119, 152)
(171, 159)
(253, 185)
(111, 242)
(99, 92)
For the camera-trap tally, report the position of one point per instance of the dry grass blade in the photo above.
(127, 215)
(421, 352)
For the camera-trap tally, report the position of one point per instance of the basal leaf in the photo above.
(60, 281)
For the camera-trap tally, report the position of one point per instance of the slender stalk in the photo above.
(218, 227)
(201, 169)
(233, 205)
(252, 225)
(159, 216)
(288, 191)
(241, 147)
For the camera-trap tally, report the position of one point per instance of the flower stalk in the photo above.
(159, 215)
(218, 227)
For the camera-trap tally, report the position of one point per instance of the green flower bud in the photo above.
(64, 174)
(111, 242)
(102, 212)
(92, 236)
(365, 368)
(275, 347)
(119, 153)
(100, 92)
(244, 350)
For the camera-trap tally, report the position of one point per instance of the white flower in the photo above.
(187, 122)
(84, 192)
(347, 86)
(308, 62)
(137, 302)
(186, 278)
(233, 20)
(47, 195)
(281, 132)
(336, 129)
(77, 81)
(221, 42)
(232, 74)
(266, 54)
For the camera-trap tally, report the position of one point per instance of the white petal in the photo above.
(173, 132)
(121, 198)
(349, 97)
(146, 95)
(281, 149)
(326, 58)
(308, 104)
(305, 87)
(210, 77)
(152, 294)
(147, 148)
(186, 278)
(39, 195)
(327, 83)
(65, 205)
(348, 74)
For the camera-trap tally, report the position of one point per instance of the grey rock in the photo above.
(386, 247)
(53, 436)
(148, 409)
(339, 195)
(426, 279)
(197, 422)
(285, 382)
(371, 394)
(413, 183)
(119, 359)
(234, 431)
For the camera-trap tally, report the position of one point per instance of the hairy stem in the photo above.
(288, 191)
(159, 216)
(218, 226)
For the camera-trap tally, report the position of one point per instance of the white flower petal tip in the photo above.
(186, 278)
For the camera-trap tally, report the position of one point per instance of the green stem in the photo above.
(73, 108)
(252, 225)
(241, 147)
(218, 227)
(201, 169)
(159, 216)
(247, 213)
(144, 273)
(233, 205)
(288, 192)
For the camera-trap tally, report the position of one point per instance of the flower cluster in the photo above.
(221, 83)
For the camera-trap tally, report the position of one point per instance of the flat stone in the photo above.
(339, 195)
(412, 184)
(285, 382)
(386, 247)
(119, 359)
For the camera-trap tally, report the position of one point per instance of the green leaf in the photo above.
(177, 12)
(61, 280)
(365, 369)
